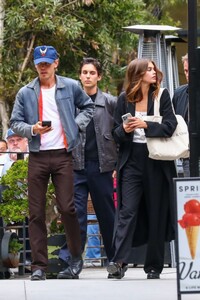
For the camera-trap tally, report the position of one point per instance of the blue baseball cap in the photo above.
(10, 133)
(45, 54)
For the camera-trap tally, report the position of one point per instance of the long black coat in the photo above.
(165, 168)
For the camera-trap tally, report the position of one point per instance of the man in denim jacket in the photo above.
(51, 98)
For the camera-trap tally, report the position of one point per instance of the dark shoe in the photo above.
(38, 275)
(73, 270)
(153, 275)
(116, 271)
(110, 276)
(116, 276)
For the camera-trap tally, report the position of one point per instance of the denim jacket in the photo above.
(103, 124)
(69, 96)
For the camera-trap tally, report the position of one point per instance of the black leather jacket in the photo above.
(103, 123)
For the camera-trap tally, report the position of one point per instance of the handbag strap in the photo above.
(157, 102)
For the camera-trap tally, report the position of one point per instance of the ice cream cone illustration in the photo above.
(191, 223)
(192, 233)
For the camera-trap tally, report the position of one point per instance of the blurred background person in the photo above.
(16, 145)
(3, 150)
(181, 106)
(3, 147)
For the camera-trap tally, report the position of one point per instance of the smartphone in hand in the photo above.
(125, 118)
(46, 123)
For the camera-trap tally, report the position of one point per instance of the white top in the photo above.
(139, 134)
(53, 139)
(3, 159)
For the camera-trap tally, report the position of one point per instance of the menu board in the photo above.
(187, 198)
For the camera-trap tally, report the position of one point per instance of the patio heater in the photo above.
(154, 45)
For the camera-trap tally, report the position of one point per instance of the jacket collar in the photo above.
(150, 106)
(35, 84)
(100, 100)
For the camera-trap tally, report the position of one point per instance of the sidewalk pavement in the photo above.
(94, 285)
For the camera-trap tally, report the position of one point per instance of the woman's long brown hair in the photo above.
(134, 74)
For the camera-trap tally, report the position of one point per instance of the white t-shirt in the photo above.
(55, 138)
(139, 134)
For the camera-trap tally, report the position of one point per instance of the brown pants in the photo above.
(58, 165)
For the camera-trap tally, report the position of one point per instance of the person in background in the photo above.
(45, 112)
(3, 150)
(3, 147)
(16, 145)
(95, 158)
(144, 186)
(180, 102)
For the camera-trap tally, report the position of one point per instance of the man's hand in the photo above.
(13, 156)
(39, 129)
(114, 174)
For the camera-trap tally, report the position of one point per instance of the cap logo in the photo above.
(43, 52)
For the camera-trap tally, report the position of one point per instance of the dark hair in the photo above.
(90, 60)
(134, 74)
(3, 141)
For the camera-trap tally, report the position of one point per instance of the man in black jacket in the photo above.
(95, 160)
(181, 106)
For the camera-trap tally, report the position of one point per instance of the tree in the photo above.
(76, 28)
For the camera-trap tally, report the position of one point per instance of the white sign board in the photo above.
(187, 193)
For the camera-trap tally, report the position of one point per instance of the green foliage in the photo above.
(76, 29)
(14, 207)
(14, 246)
(52, 250)
(15, 197)
(56, 227)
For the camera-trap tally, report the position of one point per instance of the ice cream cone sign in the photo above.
(191, 222)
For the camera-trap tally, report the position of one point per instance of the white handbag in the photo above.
(171, 148)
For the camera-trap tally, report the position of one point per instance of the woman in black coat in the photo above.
(145, 186)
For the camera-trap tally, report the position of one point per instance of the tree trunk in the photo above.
(26, 59)
(3, 111)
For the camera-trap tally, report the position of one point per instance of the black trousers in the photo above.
(100, 187)
(136, 186)
(58, 165)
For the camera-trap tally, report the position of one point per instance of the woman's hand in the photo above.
(133, 124)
